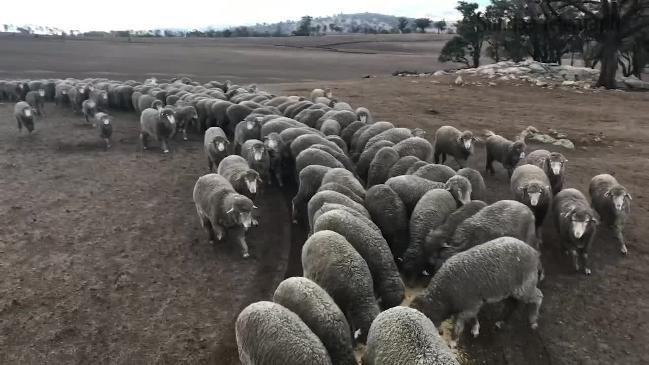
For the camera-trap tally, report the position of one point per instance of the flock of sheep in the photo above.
(380, 206)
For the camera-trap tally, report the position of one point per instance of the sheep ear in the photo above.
(522, 188)
(569, 212)
(594, 220)
(459, 138)
(628, 196)
(607, 193)
(230, 211)
(254, 207)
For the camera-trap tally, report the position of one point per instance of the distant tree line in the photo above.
(612, 34)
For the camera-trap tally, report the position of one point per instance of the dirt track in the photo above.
(103, 259)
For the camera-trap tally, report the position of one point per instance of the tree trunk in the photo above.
(609, 63)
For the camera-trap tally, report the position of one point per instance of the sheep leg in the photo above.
(165, 147)
(535, 298)
(617, 230)
(209, 164)
(443, 157)
(185, 134)
(436, 156)
(240, 235)
(460, 321)
(107, 143)
(145, 140)
(293, 212)
(20, 126)
(489, 167)
(575, 259)
(511, 304)
(584, 260)
(475, 330)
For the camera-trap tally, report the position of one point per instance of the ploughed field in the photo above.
(103, 259)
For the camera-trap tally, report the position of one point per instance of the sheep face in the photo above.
(518, 150)
(533, 192)
(258, 151)
(41, 92)
(619, 197)
(220, 143)
(241, 211)
(251, 124)
(272, 141)
(250, 179)
(460, 188)
(328, 93)
(418, 132)
(156, 105)
(556, 163)
(466, 140)
(433, 308)
(580, 221)
(169, 115)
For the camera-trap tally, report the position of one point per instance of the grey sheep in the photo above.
(416, 166)
(343, 117)
(435, 172)
(439, 238)
(104, 123)
(478, 187)
(552, 163)
(366, 158)
(348, 132)
(309, 180)
(390, 214)
(319, 199)
(501, 268)
(403, 335)
(216, 146)
(89, 109)
(345, 178)
(268, 333)
(221, 210)
(159, 124)
(576, 223)
(451, 141)
(237, 171)
(353, 142)
(318, 310)
(314, 156)
(305, 141)
(430, 213)
(338, 142)
(310, 116)
(147, 101)
(294, 109)
(394, 135)
(402, 166)
(290, 134)
(36, 99)
(236, 113)
(332, 186)
(411, 188)
(371, 245)
(330, 261)
(337, 154)
(321, 93)
(256, 154)
(342, 106)
(363, 114)
(185, 116)
(502, 218)
(330, 127)
(276, 153)
(24, 115)
(371, 131)
(380, 166)
(460, 189)
(415, 146)
(531, 186)
(506, 152)
(613, 203)
(327, 207)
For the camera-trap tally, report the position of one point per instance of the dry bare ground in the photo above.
(103, 260)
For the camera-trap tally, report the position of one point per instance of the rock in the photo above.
(561, 135)
(541, 83)
(440, 73)
(565, 143)
(635, 84)
(542, 138)
(568, 83)
(492, 84)
(459, 81)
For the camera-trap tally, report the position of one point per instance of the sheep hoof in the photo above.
(165, 151)
(246, 255)
(499, 325)
(453, 344)
(475, 331)
(587, 271)
(294, 221)
(623, 250)
(534, 326)
(185, 139)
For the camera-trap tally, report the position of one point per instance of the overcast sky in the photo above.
(148, 14)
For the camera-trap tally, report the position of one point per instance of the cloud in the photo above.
(147, 14)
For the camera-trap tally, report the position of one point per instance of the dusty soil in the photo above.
(103, 259)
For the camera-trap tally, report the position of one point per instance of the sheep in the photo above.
(345, 178)
(415, 146)
(394, 135)
(104, 123)
(502, 218)
(159, 124)
(531, 186)
(276, 149)
(380, 166)
(506, 152)
(613, 203)
(36, 99)
(290, 134)
(435, 172)
(89, 109)
(320, 313)
(338, 142)
(402, 165)
(403, 335)
(235, 113)
(552, 163)
(100, 97)
(185, 115)
(347, 132)
(332, 186)
(221, 210)
(309, 180)
(268, 333)
(430, 212)
(460, 189)
(330, 127)
(373, 248)
(342, 106)
(330, 261)
(237, 171)
(256, 154)
(319, 199)
(216, 146)
(293, 110)
(501, 268)
(478, 187)
(363, 114)
(416, 166)
(343, 117)
(389, 213)
(310, 116)
(366, 158)
(305, 141)
(321, 93)
(576, 223)
(411, 188)
(24, 115)
(371, 131)
(314, 156)
(145, 102)
(437, 239)
(451, 141)
(327, 207)
(334, 150)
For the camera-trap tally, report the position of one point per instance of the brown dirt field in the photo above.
(103, 259)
